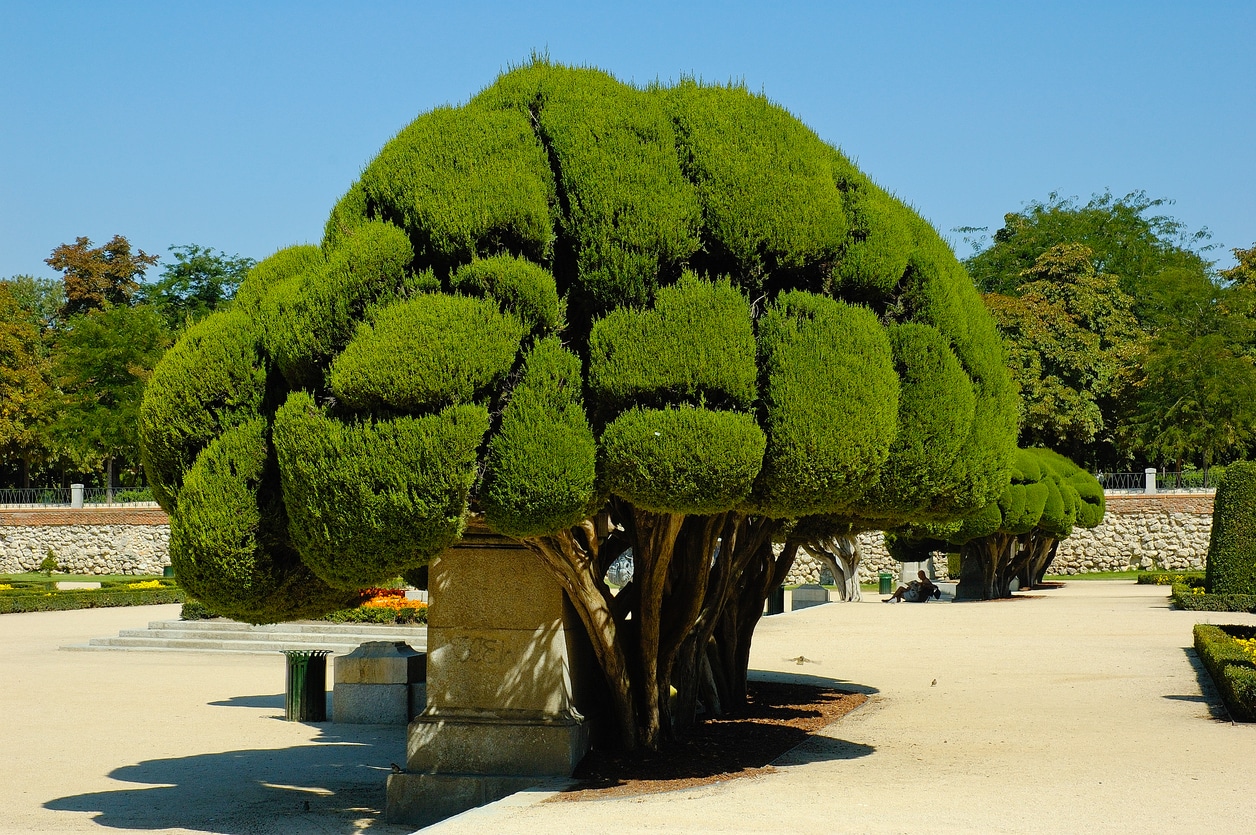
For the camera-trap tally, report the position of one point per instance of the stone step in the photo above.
(220, 635)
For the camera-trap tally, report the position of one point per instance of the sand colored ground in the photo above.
(1077, 710)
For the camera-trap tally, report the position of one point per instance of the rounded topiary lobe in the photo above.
(517, 285)
(208, 382)
(367, 499)
(227, 538)
(427, 352)
(830, 405)
(310, 318)
(674, 385)
(542, 462)
(1231, 566)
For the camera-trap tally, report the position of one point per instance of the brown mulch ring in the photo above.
(777, 718)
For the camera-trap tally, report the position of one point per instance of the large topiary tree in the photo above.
(1016, 535)
(595, 318)
(1231, 563)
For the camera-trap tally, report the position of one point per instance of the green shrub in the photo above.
(308, 320)
(49, 563)
(379, 614)
(472, 181)
(830, 402)
(1232, 668)
(695, 346)
(426, 353)
(542, 463)
(372, 499)
(630, 215)
(519, 286)
(772, 211)
(284, 264)
(1231, 564)
(196, 610)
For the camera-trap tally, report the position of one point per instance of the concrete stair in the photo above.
(228, 636)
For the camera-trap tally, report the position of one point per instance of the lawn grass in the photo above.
(1131, 575)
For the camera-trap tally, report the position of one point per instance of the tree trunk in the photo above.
(576, 567)
(654, 544)
(842, 555)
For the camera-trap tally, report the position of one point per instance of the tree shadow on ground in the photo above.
(784, 712)
(333, 785)
(1211, 697)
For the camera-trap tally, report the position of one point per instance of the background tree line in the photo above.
(1129, 347)
(75, 354)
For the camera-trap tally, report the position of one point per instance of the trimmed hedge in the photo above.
(1232, 668)
(1231, 565)
(1192, 598)
(60, 601)
(519, 286)
(1170, 578)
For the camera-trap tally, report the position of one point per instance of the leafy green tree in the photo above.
(99, 277)
(101, 362)
(591, 317)
(198, 282)
(1069, 333)
(1125, 240)
(1244, 272)
(40, 298)
(26, 393)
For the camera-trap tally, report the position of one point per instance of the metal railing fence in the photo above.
(36, 497)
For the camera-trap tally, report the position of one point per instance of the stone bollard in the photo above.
(379, 683)
(804, 597)
(503, 672)
(76, 495)
(1150, 476)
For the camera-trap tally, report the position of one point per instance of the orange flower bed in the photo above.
(390, 599)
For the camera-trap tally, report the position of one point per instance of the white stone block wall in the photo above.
(86, 549)
(1164, 531)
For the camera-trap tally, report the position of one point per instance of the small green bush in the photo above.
(1232, 668)
(696, 346)
(196, 610)
(49, 563)
(1231, 567)
(684, 460)
(830, 402)
(542, 463)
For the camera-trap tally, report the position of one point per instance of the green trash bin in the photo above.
(887, 583)
(306, 695)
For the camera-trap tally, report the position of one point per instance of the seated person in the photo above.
(917, 591)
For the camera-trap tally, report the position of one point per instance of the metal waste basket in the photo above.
(887, 583)
(306, 695)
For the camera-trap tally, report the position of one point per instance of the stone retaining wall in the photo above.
(85, 540)
(1164, 530)
(1139, 531)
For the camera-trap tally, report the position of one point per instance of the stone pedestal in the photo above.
(502, 664)
(379, 683)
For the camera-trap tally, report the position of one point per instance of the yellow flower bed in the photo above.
(5, 586)
(146, 584)
(1248, 645)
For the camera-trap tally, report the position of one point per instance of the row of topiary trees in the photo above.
(596, 318)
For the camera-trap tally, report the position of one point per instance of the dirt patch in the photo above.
(777, 718)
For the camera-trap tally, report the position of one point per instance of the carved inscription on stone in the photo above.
(474, 649)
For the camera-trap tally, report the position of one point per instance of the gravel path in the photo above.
(1080, 709)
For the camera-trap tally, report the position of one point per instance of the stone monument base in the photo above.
(421, 800)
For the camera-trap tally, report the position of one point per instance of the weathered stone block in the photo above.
(496, 745)
(373, 684)
(423, 799)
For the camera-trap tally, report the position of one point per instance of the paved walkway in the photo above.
(1076, 710)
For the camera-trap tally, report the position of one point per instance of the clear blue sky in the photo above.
(237, 125)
